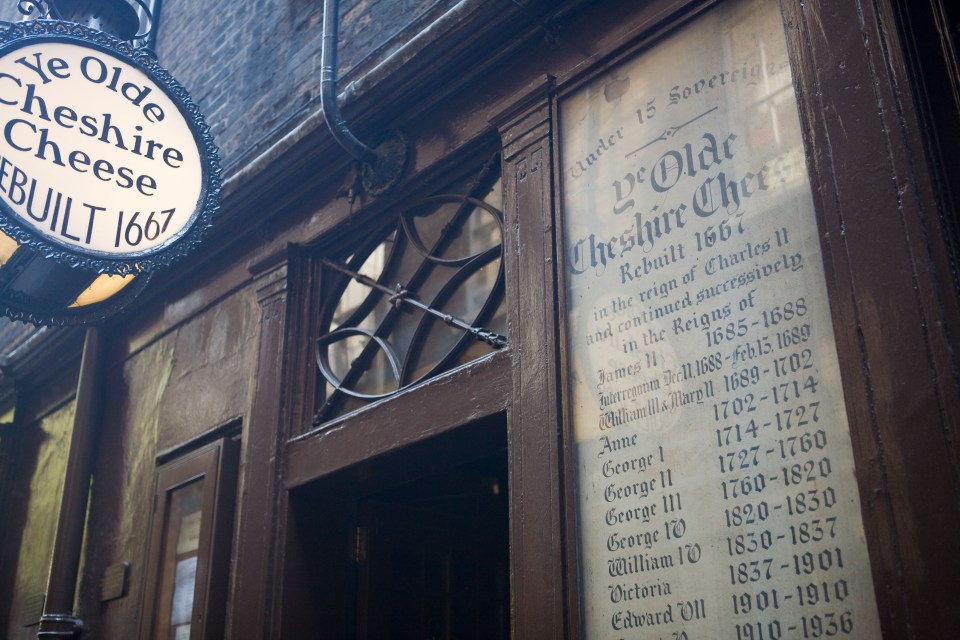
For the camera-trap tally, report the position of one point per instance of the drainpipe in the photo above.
(328, 86)
(381, 165)
(58, 620)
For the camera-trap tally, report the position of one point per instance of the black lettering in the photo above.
(38, 68)
(16, 81)
(105, 133)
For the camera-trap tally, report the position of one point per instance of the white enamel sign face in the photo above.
(93, 153)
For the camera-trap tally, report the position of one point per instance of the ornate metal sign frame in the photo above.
(14, 36)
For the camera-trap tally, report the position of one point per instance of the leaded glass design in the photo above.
(416, 300)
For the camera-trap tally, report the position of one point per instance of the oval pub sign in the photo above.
(105, 162)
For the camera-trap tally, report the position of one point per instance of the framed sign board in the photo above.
(716, 486)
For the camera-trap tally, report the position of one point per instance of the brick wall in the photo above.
(253, 67)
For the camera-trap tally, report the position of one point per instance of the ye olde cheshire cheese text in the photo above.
(88, 168)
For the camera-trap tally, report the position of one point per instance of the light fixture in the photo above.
(107, 169)
(116, 17)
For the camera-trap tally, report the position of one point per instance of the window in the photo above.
(417, 299)
(190, 544)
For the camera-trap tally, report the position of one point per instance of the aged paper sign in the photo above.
(715, 474)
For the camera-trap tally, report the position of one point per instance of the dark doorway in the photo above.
(410, 545)
(434, 557)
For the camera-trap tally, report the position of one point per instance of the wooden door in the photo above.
(433, 557)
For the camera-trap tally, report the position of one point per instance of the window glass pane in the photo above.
(457, 227)
(466, 302)
(376, 375)
(178, 573)
(356, 293)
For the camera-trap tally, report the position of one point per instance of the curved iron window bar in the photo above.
(434, 279)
